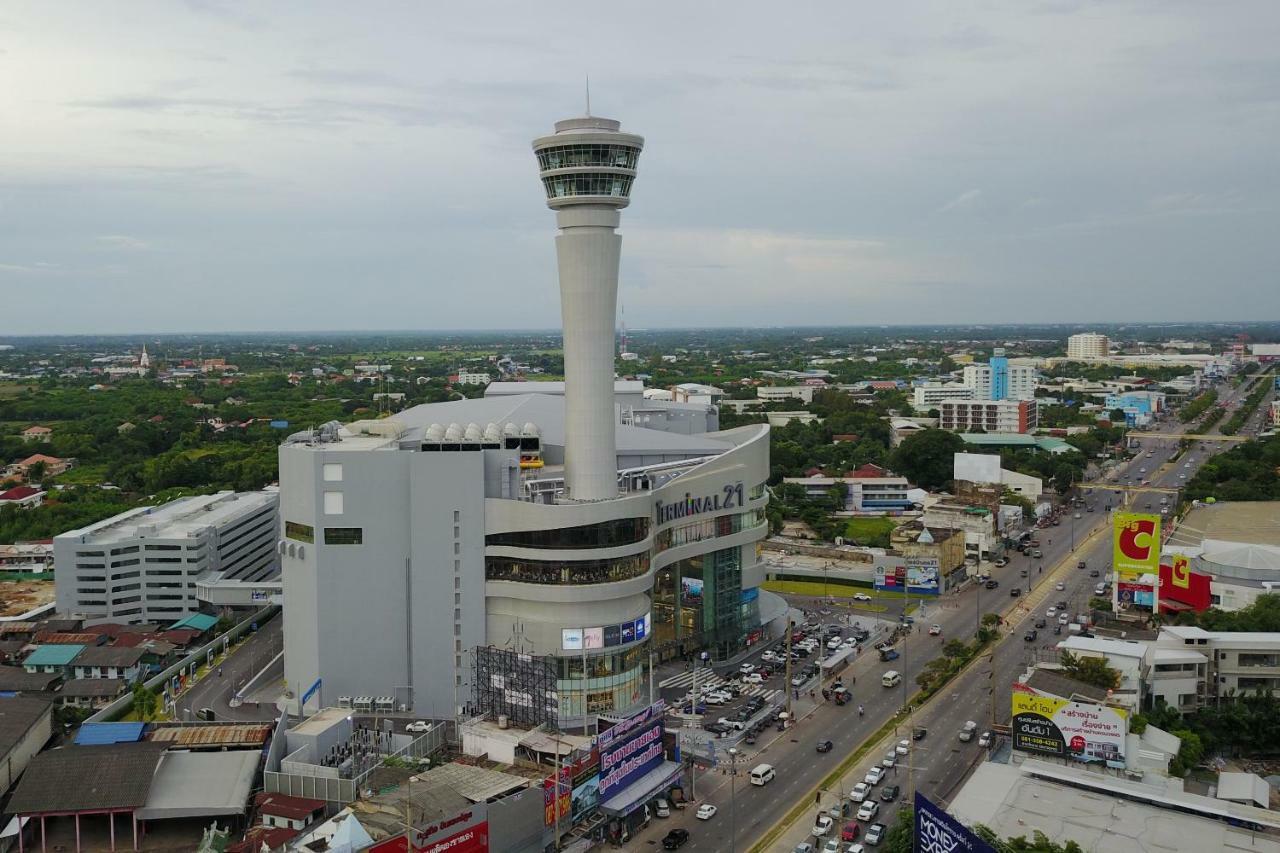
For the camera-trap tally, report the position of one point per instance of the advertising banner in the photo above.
(586, 784)
(465, 832)
(630, 749)
(1179, 585)
(919, 576)
(549, 798)
(1135, 544)
(1063, 729)
(1140, 594)
(938, 832)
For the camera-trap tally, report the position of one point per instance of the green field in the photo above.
(869, 531)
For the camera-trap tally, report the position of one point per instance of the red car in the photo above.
(850, 831)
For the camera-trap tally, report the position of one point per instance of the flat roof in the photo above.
(1099, 813)
(1058, 684)
(88, 779)
(1100, 645)
(181, 518)
(321, 721)
(98, 734)
(199, 784)
(1247, 522)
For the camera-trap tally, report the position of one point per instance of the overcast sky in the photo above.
(217, 166)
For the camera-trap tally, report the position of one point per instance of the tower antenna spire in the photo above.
(588, 96)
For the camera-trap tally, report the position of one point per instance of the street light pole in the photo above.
(733, 809)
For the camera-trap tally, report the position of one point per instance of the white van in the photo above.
(762, 774)
(892, 678)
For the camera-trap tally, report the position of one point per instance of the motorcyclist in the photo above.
(861, 711)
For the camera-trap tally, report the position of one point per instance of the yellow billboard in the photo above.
(1083, 731)
(1135, 544)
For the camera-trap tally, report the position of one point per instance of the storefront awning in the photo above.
(646, 787)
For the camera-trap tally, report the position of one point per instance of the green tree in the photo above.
(1090, 670)
(144, 701)
(928, 457)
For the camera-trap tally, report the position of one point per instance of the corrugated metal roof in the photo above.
(99, 734)
(223, 735)
(53, 655)
(198, 621)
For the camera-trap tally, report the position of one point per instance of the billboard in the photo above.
(598, 637)
(464, 832)
(630, 749)
(586, 784)
(938, 832)
(1179, 585)
(549, 798)
(1135, 544)
(917, 576)
(976, 467)
(1058, 727)
(1141, 594)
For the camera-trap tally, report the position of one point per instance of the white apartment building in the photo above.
(1088, 345)
(982, 379)
(692, 392)
(1231, 663)
(142, 565)
(989, 415)
(931, 395)
(773, 393)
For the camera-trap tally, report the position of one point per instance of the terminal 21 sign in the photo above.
(939, 832)
(729, 497)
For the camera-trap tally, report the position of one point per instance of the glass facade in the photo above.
(578, 156)
(724, 525)
(595, 184)
(566, 572)
(698, 603)
(607, 534)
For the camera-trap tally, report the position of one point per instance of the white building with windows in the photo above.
(465, 378)
(143, 565)
(1088, 345)
(985, 381)
(931, 395)
(992, 416)
(774, 393)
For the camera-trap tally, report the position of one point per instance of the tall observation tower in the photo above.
(587, 167)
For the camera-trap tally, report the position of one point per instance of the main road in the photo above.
(940, 761)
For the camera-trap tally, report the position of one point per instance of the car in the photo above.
(890, 793)
(935, 630)
(874, 775)
(1037, 553)
(1003, 561)
(860, 792)
(804, 847)
(966, 732)
(850, 832)
(1060, 586)
(834, 643)
(1030, 636)
(690, 708)
(1040, 623)
(875, 834)
(770, 656)
(824, 746)
(849, 642)
(1022, 573)
(821, 825)
(890, 759)
(984, 739)
(1014, 592)
(706, 811)
(1064, 619)
(750, 739)
(832, 846)
(1182, 476)
(1093, 573)
(919, 733)
(992, 583)
(1078, 515)
(861, 596)
(868, 810)
(754, 678)
(718, 698)
(418, 727)
(903, 747)
(797, 680)
(675, 839)
(747, 668)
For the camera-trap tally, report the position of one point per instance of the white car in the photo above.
(1051, 612)
(861, 596)
(754, 678)
(822, 825)
(706, 811)
(1060, 586)
(770, 656)
(855, 848)
(418, 727)
(874, 775)
(747, 668)
(904, 746)
(849, 642)
(717, 698)
(1064, 619)
(834, 643)
(832, 846)
(860, 792)
(890, 759)
(869, 810)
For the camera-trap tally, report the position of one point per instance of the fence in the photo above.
(322, 783)
(122, 705)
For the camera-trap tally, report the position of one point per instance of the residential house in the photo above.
(119, 662)
(91, 692)
(22, 497)
(52, 659)
(37, 433)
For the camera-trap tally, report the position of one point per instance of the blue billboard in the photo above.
(939, 832)
(630, 749)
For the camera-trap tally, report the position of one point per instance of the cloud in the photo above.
(967, 200)
(123, 242)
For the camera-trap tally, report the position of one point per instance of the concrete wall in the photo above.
(13, 762)
(516, 823)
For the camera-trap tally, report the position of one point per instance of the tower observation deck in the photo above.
(587, 168)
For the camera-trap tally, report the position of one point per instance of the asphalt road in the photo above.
(940, 762)
(214, 691)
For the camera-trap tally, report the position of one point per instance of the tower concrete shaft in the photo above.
(587, 167)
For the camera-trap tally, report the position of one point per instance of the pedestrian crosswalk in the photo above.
(710, 682)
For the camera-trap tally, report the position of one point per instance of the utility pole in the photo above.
(787, 671)
(651, 672)
(733, 808)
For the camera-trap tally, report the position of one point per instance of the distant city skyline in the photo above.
(224, 167)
